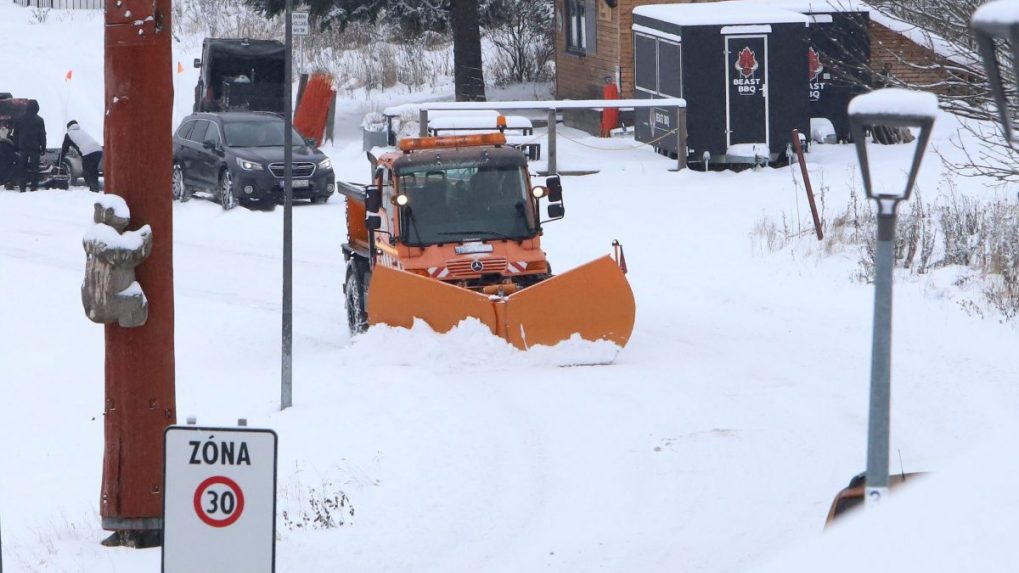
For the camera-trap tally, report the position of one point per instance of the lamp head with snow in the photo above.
(997, 23)
(892, 108)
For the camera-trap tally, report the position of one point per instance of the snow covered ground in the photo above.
(714, 442)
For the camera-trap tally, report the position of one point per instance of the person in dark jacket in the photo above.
(8, 158)
(90, 151)
(30, 139)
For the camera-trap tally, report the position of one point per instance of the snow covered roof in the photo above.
(815, 6)
(720, 14)
(785, 11)
(926, 39)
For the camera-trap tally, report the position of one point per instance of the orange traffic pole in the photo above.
(140, 399)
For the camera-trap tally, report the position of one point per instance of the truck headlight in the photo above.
(325, 164)
(249, 165)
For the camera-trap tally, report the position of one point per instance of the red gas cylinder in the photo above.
(609, 116)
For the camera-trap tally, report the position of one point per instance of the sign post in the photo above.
(219, 513)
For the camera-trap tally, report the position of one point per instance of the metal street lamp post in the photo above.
(893, 108)
(999, 21)
(287, 366)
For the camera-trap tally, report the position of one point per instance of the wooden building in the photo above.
(594, 47)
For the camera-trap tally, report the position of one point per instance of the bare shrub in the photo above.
(521, 32)
(325, 507)
(39, 15)
(953, 231)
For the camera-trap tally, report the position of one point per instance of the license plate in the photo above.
(300, 183)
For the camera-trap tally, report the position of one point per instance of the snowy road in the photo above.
(715, 441)
(717, 437)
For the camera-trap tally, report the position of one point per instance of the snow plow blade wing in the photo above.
(593, 300)
(397, 297)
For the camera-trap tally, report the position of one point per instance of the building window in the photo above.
(579, 27)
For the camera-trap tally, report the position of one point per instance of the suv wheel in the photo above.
(227, 199)
(178, 183)
(71, 179)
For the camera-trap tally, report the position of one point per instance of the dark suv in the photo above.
(238, 158)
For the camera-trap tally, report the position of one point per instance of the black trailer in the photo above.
(240, 75)
(838, 64)
(740, 67)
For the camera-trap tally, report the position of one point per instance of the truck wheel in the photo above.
(227, 199)
(354, 289)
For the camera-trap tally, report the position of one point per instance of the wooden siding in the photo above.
(581, 76)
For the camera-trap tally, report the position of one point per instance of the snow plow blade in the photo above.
(593, 300)
(397, 297)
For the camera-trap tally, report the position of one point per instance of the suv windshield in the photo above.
(260, 132)
(465, 203)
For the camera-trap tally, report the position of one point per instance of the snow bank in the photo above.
(961, 519)
(895, 102)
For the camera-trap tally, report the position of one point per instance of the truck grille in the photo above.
(462, 267)
(297, 169)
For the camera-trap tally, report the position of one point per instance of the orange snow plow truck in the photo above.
(450, 228)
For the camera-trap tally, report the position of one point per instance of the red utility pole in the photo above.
(139, 361)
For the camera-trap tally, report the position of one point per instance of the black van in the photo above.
(240, 75)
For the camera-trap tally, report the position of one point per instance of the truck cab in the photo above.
(461, 215)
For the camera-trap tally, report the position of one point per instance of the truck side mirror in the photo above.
(555, 189)
(198, 62)
(372, 198)
(373, 222)
(556, 211)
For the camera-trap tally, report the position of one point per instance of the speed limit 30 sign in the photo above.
(219, 506)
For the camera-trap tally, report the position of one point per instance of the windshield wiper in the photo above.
(413, 222)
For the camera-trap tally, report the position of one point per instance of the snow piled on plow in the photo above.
(470, 347)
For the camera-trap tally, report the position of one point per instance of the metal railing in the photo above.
(63, 4)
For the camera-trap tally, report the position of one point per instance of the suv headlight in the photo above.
(325, 164)
(249, 165)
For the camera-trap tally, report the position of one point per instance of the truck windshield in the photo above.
(465, 203)
(260, 132)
